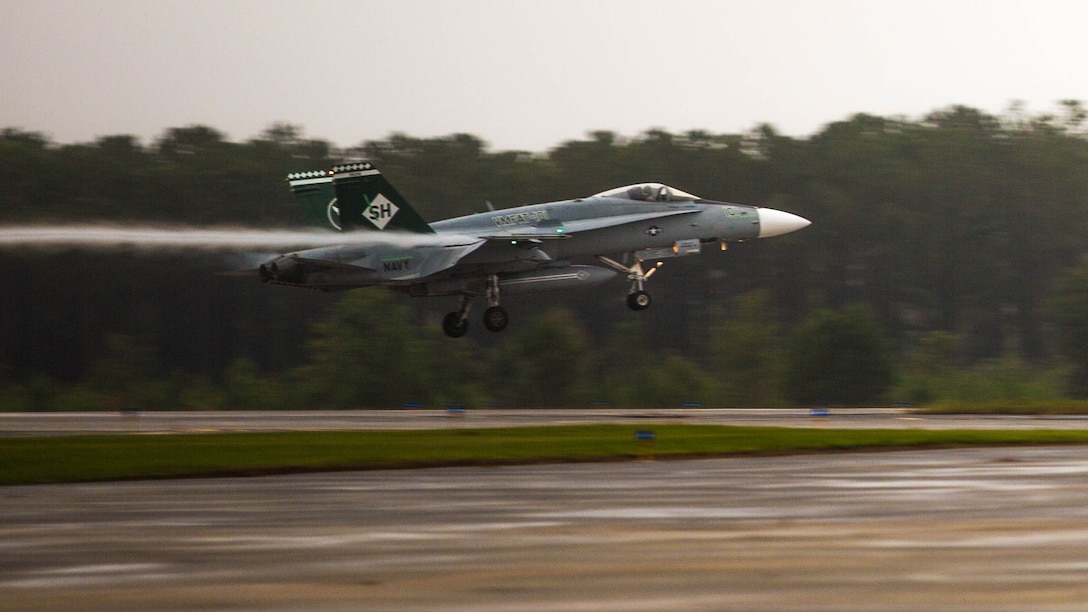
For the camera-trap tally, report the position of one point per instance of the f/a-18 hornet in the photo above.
(507, 252)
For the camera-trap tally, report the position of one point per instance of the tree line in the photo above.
(945, 251)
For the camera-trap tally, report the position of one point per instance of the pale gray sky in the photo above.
(519, 74)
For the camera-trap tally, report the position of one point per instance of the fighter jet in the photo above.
(508, 252)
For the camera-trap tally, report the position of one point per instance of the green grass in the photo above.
(1008, 406)
(129, 457)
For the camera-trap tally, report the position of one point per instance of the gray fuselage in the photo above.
(606, 230)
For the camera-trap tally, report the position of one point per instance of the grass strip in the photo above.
(1024, 407)
(131, 457)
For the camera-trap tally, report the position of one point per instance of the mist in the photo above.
(159, 239)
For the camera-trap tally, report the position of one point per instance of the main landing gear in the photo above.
(455, 324)
(637, 297)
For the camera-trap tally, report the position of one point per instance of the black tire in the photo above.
(496, 319)
(454, 326)
(639, 300)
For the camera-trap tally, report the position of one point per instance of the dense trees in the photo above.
(955, 234)
(1070, 314)
(837, 357)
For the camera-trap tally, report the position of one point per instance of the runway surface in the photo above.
(978, 529)
(46, 423)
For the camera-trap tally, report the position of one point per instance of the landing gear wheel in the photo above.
(454, 326)
(496, 319)
(639, 300)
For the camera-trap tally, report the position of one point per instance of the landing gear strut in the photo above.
(495, 317)
(455, 324)
(637, 297)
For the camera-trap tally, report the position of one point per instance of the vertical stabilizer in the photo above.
(315, 192)
(367, 202)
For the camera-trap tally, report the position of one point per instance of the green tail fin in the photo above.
(367, 202)
(315, 192)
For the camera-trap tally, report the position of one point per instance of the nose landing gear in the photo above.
(637, 297)
(639, 300)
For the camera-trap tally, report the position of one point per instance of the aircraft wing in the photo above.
(332, 264)
(431, 257)
(370, 262)
(561, 230)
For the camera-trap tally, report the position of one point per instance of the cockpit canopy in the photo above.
(648, 192)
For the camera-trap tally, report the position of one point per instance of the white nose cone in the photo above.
(775, 222)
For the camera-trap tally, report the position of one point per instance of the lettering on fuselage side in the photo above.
(381, 211)
(524, 218)
(400, 264)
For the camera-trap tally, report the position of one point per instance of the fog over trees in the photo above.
(946, 259)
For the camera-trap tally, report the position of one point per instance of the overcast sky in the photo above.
(519, 74)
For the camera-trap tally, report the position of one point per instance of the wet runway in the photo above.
(977, 529)
(45, 423)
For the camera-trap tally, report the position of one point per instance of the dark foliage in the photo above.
(961, 222)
